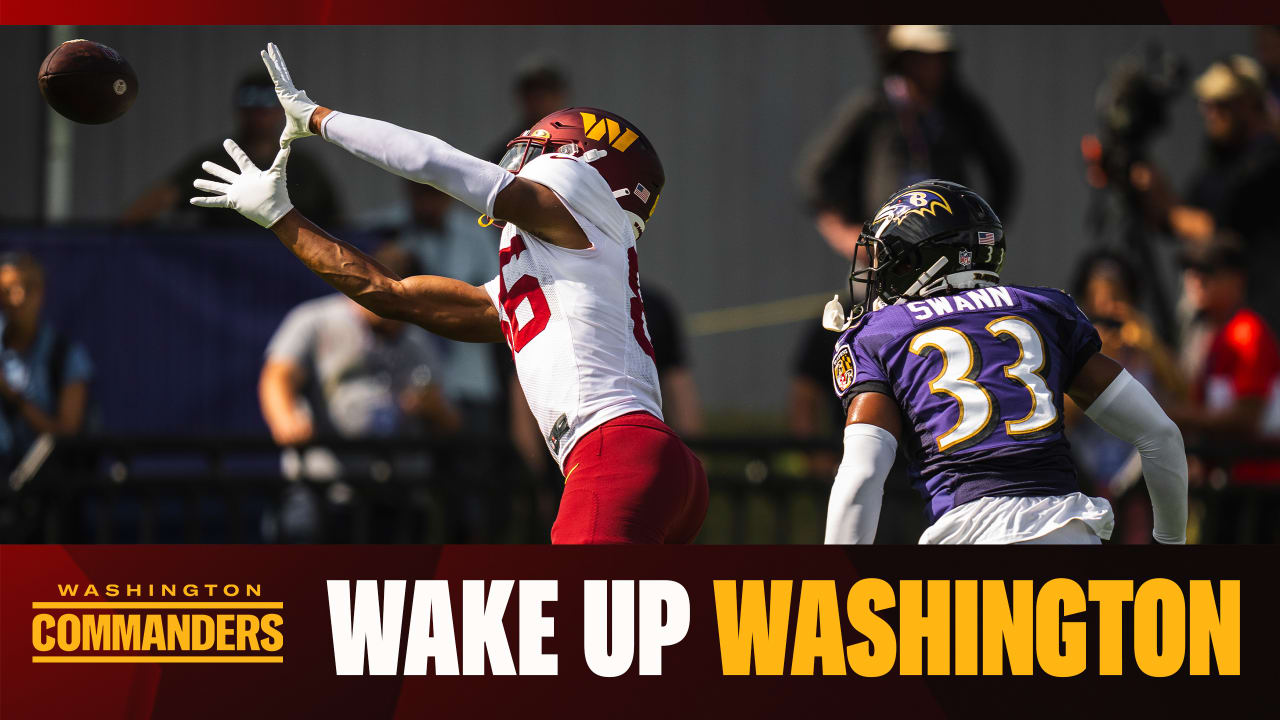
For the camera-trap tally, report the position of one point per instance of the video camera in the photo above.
(1133, 108)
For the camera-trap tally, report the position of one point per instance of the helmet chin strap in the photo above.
(637, 225)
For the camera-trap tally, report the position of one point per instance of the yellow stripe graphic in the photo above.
(624, 142)
(126, 605)
(157, 659)
(593, 129)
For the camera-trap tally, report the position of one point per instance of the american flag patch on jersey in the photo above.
(642, 192)
(986, 238)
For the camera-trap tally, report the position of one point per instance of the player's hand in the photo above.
(297, 106)
(259, 195)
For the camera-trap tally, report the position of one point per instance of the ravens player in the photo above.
(968, 376)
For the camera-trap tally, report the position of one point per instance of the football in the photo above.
(87, 82)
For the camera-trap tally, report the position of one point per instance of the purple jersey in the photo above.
(979, 376)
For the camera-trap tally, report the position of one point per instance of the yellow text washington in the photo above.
(138, 590)
(969, 627)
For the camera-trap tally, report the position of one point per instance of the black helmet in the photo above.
(912, 235)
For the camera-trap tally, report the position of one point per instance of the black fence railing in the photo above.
(464, 489)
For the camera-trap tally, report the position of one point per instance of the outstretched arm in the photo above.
(416, 156)
(1124, 408)
(478, 183)
(447, 307)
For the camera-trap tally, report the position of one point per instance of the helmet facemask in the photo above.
(615, 148)
(525, 148)
(890, 276)
(530, 145)
(867, 249)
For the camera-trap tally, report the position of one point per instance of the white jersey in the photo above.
(574, 319)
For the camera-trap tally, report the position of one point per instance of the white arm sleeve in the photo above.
(1125, 409)
(419, 157)
(854, 509)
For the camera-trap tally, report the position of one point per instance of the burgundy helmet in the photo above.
(615, 148)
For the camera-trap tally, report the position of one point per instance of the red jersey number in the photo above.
(637, 303)
(525, 288)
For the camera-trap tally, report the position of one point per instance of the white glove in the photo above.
(297, 106)
(260, 196)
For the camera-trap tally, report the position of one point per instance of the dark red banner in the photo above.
(399, 631)
(583, 12)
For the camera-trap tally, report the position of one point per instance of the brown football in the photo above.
(87, 82)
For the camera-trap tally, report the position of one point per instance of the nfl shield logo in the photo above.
(966, 259)
(986, 238)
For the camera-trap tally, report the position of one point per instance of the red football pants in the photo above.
(631, 480)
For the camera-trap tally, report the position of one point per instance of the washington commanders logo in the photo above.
(914, 201)
(843, 370)
(620, 138)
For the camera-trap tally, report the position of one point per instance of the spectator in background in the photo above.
(1267, 42)
(259, 120)
(540, 89)
(1106, 287)
(919, 121)
(1240, 165)
(1234, 399)
(334, 369)
(44, 375)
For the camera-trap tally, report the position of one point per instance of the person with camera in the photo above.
(1238, 170)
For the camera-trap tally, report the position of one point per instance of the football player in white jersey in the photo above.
(575, 192)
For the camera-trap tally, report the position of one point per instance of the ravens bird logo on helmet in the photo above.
(933, 236)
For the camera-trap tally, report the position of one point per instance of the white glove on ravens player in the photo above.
(258, 195)
(297, 106)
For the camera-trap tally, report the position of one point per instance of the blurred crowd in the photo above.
(1207, 349)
